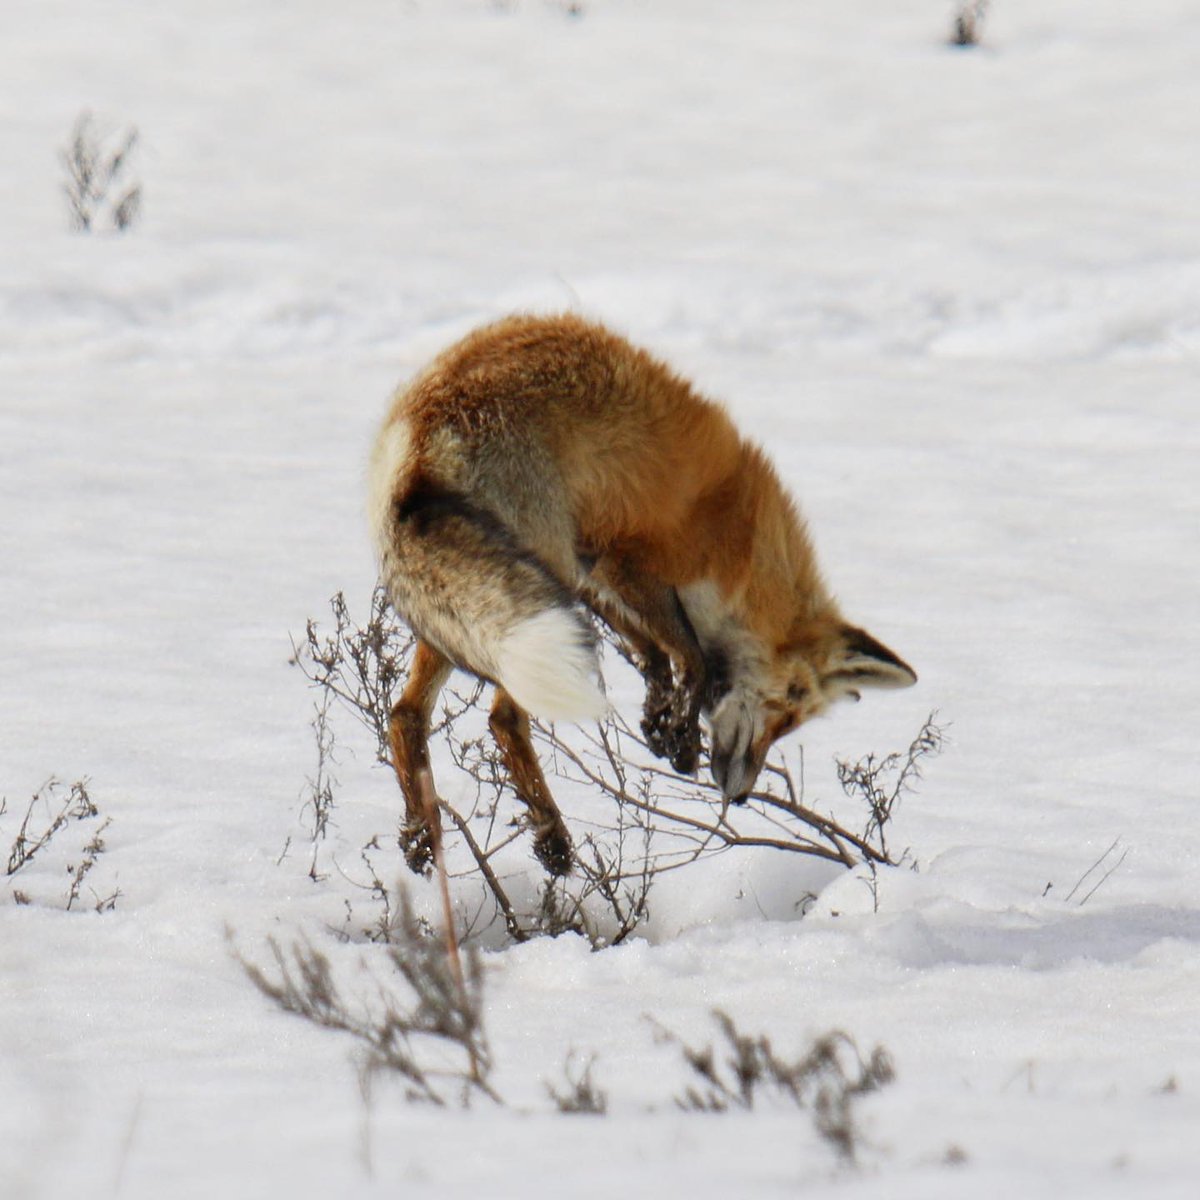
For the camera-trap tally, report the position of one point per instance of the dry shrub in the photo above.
(641, 819)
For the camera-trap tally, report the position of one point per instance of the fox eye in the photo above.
(796, 693)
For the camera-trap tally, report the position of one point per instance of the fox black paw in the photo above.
(553, 849)
(417, 847)
(685, 748)
(656, 729)
(675, 739)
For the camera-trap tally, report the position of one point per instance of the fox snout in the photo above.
(735, 757)
(735, 776)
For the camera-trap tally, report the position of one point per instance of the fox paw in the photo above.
(673, 732)
(685, 749)
(552, 846)
(417, 847)
(656, 729)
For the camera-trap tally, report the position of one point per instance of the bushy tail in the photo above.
(547, 663)
(459, 577)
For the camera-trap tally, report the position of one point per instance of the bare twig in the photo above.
(91, 852)
(75, 806)
(881, 782)
(359, 667)
(433, 822)
(1094, 867)
(320, 787)
(483, 862)
(95, 167)
(581, 1094)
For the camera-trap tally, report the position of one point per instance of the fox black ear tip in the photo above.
(896, 673)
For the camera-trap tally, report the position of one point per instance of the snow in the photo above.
(955, 293)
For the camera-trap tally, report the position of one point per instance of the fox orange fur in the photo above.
(543, 466)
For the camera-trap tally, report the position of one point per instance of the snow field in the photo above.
(956, 295)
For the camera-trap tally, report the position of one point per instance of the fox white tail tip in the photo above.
(549, 669)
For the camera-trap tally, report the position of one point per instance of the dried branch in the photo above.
(319, 801)
(91, 852)
(1094, 867)
(882, 781)
(359, 667)
(55, 826)
(95, 166)
(581, 1095)
(75, 806)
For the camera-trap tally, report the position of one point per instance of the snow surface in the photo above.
(956, 294)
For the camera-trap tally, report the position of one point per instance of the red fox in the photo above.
(543, 466)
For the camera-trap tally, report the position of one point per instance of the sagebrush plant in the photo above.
(428, 1031)
(647, 820)
(880, 782)
(423, 1026)
(100, 193)
(827, 1080)
(580, 1095)
(318, 792)
(57, 819)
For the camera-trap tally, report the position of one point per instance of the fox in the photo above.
(543, 472)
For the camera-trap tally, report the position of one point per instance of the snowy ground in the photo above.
(957, 295)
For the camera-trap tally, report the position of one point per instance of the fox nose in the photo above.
(734, 775)
(734, 764)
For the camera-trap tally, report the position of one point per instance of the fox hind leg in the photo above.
(408, 735)
(479, 599)
(509, 724)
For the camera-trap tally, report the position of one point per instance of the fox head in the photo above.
(770, 696)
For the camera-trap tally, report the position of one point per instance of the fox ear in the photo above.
(860, 661)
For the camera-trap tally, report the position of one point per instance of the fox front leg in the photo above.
(671, 713)
(674, 708)
(671, 709)
(648, 616)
